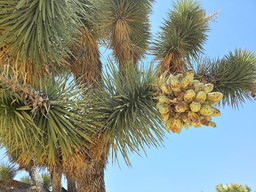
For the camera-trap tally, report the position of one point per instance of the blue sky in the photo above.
(198, 159)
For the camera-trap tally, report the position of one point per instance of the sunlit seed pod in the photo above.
(214, 96)
(212, 124)
(200, 97)
(208, 88)
(186, 81)
(179, 76)
(190, 72)
(196, 124)
(213, 103)
(168, 125)
(199, 87)
(206, 103)
(175, 84)
(195, 106)
(216, 112)
(177, 124)
(163, 99)
(194, 82)
(206, 110)
(180, 96)
(209, 118)
(189, 95)
(204, 120)
(166, 89)
(179, 130)
(164, 108)
(165, 117)
(193, 117)
(181, 107)
(184, 116)
(187, 124)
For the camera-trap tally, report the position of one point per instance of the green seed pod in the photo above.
(184, 116)
(177, 125)
(199, 87)
(216, 112)
(208, 88)
(180, 96)
(163, 99)
(168, 126)
(212, 124)
(206, 110)
(166, 89)
(195, 106)
(179, 76)
(213, 103)
(175, 84)
(164, 108)
(196, 125)
(165, 117)
(208, 118)
(214, 96)
(189, 95)
(187, 124)
(181, 107)
(204, 120)
(200, 97)
(193, 117)
(194, 82)
(186, 81)
(190, 72)
(206, 103)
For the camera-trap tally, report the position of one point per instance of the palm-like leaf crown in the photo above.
(48, 124)
(127, 27)
(37, 34)
(131, 119)
(234, 75)
(182, 35)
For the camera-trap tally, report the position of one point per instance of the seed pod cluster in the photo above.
(185, 102)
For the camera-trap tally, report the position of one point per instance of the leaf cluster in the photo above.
(232, 188)
(7, 172)
(127, 20)
(131, 119)
(51, 132)
(234, 75)
(183, 32)
(39, 31)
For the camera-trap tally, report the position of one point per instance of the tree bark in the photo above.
(71, 185)
(93, 177)
(56, 179)
(36, 179)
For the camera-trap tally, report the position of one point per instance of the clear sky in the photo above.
(198, 159)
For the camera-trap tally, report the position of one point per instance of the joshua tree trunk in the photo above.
(71, 185)
(56, 179)
(93, 177)
(36, 179)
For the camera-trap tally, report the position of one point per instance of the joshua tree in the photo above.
(61, 111)
(233, 188)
